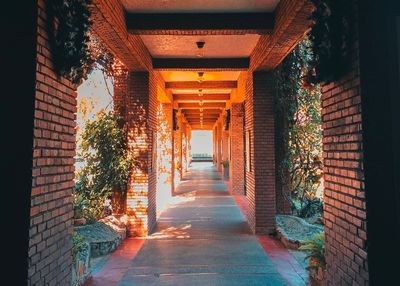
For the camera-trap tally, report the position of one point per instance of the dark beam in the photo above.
(205, 111)
(204, 117)
(232, 64)
(199, 23)
(201, 127)
(200, 85)
(208, 105)
(205, 97)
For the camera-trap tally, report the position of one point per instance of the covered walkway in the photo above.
(201, 239)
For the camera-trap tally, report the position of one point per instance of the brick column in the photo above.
(214, 139)
(120, 95)
(345, 197)
(178, 151)
(184, 148)
(236, 164)
(164, 155)
(219, 145)
(51, 213)
(188, 145)
(260, 179)
(141, 121)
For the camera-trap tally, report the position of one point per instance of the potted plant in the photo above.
(315, 249)
(225, 165)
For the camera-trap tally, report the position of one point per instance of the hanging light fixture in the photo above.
(201, 103)
(200, 92)
(200, 50)
(200, 78)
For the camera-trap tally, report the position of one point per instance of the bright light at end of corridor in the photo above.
(201, 142)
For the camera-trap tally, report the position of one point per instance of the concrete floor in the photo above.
(203, 239)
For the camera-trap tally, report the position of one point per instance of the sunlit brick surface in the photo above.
(345, 210)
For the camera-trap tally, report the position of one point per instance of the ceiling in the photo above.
(217, 46)
(168, 6)
(220, 46)
(193, 76)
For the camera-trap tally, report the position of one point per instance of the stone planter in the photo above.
(319, 275)
(81, 267)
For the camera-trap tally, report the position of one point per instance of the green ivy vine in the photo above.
(298, 118)
(332, 39)
(68, 27)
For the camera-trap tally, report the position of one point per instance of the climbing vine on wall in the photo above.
(68, 25)
(299, 103)
(331, 37)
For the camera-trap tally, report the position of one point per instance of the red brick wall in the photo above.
(140, 142)
(219, 146)
(152, 127)
(164, 155)
(50, 244)
(344, 212)
(260, 180)
(120, 96)
(237, 149)
(178, 152)
(185, 147)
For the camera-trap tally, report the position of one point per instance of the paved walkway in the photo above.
(202, 240)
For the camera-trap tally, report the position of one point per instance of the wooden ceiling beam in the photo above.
(205, 97)
(201, 85)
(205, 111)
(206, 105)
(200, 23)
(226, 64)
(201, 127)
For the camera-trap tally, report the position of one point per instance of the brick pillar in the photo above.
(236, 164)
(219, 145)
(184, 148)
(225, 148)
(188, 145)
(214, 139)
(141, 121)
(344, 194)
(120, 95)
(51, 213)
(164, 156)
(260, 179)
(178, 151)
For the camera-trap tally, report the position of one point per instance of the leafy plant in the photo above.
(300, 105)
(225, 163)
(331, 37)
(315, 249)
(78, 245)
(310, 207)
(108, 163)
(68, 25)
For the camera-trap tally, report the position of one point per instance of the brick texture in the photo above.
(50, 244)
(141, 119)
(260, 179)
(237, 149)
(178, 152)
(109, 25)
(219, 146)
(291, 23)
(164, 156)
(345, 209)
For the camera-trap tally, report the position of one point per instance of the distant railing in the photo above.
(202, 157)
